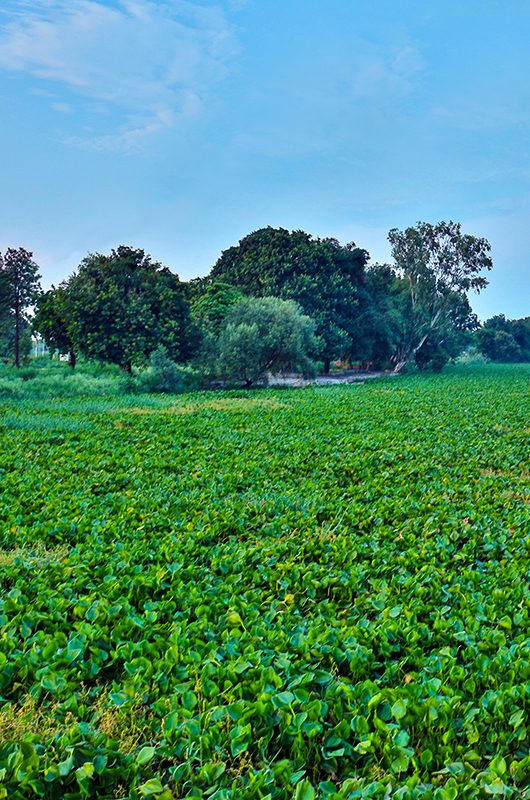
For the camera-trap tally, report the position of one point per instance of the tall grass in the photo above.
(44, 378)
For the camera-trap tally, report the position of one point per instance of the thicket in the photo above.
(505, 340)
(126, 309)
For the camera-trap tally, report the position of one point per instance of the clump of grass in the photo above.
(18, 721)
(37, 553)
(129, 725)
(221, 404)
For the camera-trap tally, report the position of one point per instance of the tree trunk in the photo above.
(404, 358)
(17, 336)
(327, 364)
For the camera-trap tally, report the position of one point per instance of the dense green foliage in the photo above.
(323, 277)
(264, 334)
(505, 340)
(51, 320)
(19, 288)
(211, 304)
(319, 593)
(118, 309)
(44, 379)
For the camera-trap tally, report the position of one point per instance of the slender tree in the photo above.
(5, 309)
(438, 265)
(19, 277)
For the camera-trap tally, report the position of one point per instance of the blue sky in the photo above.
(180, 126)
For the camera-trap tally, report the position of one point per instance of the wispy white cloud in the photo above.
(344, 95)
(128, 138)
(62, 108)
(479, 114)
(388, 72)
(153, 62)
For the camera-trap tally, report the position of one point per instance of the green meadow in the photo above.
(276, 594)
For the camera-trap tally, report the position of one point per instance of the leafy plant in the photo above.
(264, 334)
(163, 375)
(316, 593)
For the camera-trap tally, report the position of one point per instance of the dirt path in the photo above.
(348, 377)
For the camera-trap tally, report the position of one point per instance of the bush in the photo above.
(505, 340)
(431, 357)
(163, 376)
(264, 335)
(471, 357)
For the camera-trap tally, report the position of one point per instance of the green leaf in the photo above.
(399, 709)
(304, 791)
(498, 766)
(119, 698)
(152, 786)
(234, 619)
(85, 771)
(49, 682)
(189, 700)
(283, 699)
(447, 792)
(495, 787)
(145, 755)
(400, 763)
(426, 757)
(240, 739)
(171, 722)
(66, 766)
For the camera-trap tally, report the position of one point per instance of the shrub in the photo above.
(264, 335)
(163, 376)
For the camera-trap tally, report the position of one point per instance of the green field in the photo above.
(312, 593)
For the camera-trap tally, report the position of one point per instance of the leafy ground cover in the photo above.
(314, 593)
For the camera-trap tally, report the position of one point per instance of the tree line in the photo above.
(277, 300)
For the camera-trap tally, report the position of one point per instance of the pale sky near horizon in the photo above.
(179, 126)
